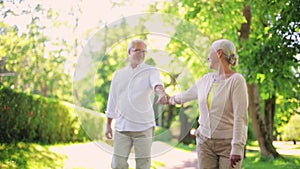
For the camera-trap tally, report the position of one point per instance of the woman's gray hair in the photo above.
(229, 50)
(133, 42)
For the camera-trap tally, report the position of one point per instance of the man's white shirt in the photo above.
(131, 97)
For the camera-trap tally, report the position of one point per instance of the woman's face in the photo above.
(213, 59)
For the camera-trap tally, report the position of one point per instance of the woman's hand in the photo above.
(234, 159)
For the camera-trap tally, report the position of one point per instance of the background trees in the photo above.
(266, 33)
(37, 61)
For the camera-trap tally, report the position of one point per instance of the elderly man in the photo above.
(130, 102)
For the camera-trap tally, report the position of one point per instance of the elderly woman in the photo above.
(223, 103)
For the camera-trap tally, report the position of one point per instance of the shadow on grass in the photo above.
(29, 156)
(254, 160)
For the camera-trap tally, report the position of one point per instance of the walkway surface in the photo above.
(98, 155)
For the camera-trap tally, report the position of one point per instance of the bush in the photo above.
(292, 129)
(92, 123)
(31, 118)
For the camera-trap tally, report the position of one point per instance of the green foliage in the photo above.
(32, 118)
(267, 57)
(190, 147)
(108, 56)
(92, 123)
(214, 18)
(292, 129)
(28, 156)
(251, 134)
(162, 134)
(37, 68)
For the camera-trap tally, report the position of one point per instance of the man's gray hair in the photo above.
(133, 42)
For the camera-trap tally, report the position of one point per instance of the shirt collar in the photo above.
(137, 67)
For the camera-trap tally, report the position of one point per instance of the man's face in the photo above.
(137, 53)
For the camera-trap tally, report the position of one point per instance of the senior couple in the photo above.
(221, 95)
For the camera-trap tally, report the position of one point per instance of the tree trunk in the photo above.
(269, 115)
(245, 29)
(44, 89)
(260, 130)
(185, 127)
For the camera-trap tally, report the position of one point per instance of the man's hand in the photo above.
(234, 159)
(108, 132)
(163, 99)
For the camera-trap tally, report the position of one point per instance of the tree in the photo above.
(37, 69)
(275, 42)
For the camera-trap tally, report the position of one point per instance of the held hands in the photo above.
(166, 99)
(163, 99)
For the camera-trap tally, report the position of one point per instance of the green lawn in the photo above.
(290, 157)
(32, 156)
(254, 161)
(29, 156)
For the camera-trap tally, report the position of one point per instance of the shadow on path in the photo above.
(98, 156)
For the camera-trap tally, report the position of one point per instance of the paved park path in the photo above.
(98, 155)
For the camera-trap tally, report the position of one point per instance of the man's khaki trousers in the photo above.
(123, 143)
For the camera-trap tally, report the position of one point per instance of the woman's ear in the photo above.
(219, 53)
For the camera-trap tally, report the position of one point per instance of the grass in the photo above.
(29, 156)
(290, 158)
(32, 156)
(190, 147)
(156, 164)
(255, 161)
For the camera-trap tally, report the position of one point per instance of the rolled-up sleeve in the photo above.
(240, 110)
(155, 78)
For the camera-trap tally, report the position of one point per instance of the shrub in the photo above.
(32, 118)
(92, 123)
(292, 129)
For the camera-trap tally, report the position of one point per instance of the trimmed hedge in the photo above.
(32, 118)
